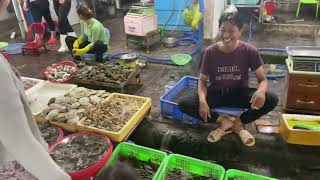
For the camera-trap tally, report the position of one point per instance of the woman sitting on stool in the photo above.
(93, 38)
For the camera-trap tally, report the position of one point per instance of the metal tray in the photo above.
(304, 51)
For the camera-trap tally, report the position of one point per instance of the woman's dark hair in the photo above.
(233, 17)
(118, 171)
(85, 12)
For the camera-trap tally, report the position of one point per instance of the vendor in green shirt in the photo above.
(93, 39)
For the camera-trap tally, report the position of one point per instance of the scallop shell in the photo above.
(52, 114)
(95, 99)
(84, 101)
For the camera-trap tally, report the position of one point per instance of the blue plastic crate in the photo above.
(170, 109)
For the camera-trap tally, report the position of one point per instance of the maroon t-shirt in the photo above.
(230, 70)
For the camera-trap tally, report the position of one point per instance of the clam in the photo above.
(61, 100)
(75, 105)
(84, 101)
(74, 120)
(52, 114)
(105, 95)
(100, 92)
(95, 99)
(89, 92)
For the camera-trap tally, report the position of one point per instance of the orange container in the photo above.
(299, 136)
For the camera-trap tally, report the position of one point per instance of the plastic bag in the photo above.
(188, 15)
(231, 9)
(192, 16)
(197, 17)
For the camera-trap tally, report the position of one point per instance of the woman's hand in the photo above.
(204, 111)
(80, 52)
(61, 1)
(25, 7)
(258, 99)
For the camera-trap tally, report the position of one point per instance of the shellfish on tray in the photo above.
(60, 72)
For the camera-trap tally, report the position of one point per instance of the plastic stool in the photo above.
(34, 45)
(312, 2)
(229, 111)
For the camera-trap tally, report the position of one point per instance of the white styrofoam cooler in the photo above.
(140, 26)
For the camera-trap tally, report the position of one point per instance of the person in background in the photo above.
(117, 171)
(39, 9)
(20, 138)
(93, 38)
(224, 82)
(62, 9)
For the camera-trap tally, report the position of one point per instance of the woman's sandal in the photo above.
(246, 138)
(216, 135)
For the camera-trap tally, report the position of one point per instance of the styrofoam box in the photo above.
(39, 96)
(39, 82)
(140, 26)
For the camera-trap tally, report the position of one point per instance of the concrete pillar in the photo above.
(213, 10)
(208, 19)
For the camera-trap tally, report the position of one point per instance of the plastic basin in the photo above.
(3, 45)
(181, 59)
(14, 48)
(91, 171)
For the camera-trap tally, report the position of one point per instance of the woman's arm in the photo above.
(259, 97)
(262, 80)
(16, 135)
(204, 110)
(202, 87)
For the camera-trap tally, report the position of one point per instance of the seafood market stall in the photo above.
(93, 117)
(80, 109)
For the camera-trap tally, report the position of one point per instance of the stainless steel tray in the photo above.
(304, 51)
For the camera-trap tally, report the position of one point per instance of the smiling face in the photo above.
(229, 34)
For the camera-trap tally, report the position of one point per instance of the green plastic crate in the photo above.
(191, 165)
(243, 175)
(138, 152)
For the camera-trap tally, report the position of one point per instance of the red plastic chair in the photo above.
(37, 42)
